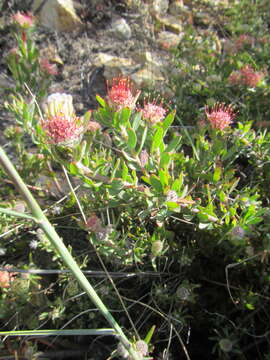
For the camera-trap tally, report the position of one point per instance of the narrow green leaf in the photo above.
(17, 214)
(157, 139)
(166, 123)
(132, 138)
(146, 179)
(155, 182)
(217, 174)
(173, 145)
(101, 101)
(136, 120)
(163, 177)
(124, 116)
(149, 335)
(124, 171)
(178, 183)
(165, 159)
(53, 332)
(144, 135)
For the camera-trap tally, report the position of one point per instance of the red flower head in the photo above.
(250, 77)
(242, 41)
(24, 20)
(153, 112)
(47, 67)
(246, 76)
(6, 278)
(60, 123)
(220, 116)
(235, 78)
(121, 94)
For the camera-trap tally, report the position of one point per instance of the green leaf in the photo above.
(136, 120)
(157, 139)
(166, 123)
(132, 138)
(73, 169)
(173, 145)
(222, 196)
(178, 183)
(164, 177)
(172, 205)
(146, 179)
(165, 159)
(124, 171)
(101, 101)
(250, 306)
(217, 174)
(124, 116)
(144, 135)
(155, 182)
(149, 335)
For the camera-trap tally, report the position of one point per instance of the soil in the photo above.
(77, 75)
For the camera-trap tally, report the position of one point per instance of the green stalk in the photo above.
(63, 251)
(79, 332)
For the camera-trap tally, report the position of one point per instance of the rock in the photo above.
(147, 57)
(176, 7)
(147, 76)
(160, 6)
(57, 15)
(171, 23)
(168, 40)
(115, 66)
(110, 60)
(202, 18)
(121, 29)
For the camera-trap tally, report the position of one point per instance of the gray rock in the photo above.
(160, 6)
(121, 29)
(171, 23)
(147, 76)
(167, 40)
(176, 7)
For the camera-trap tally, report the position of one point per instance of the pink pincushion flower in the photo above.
(93, 223)
(250, 77)
(242, 41)
(246, 76)
(121, 94)
(93, 126)
(62, 129)
(60, 123)
(47, 67)
(6, 278)
(220, 116)
(235, 78)
(24, 20)
(153, 113)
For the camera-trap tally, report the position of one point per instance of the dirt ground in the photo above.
(76, 73)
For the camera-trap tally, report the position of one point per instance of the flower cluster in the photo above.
(242, 41)
(233, 47)
(246, 76)
(25, 21)
(60, 123)
(93, 224)
(47, 67)
(121, 94)
(6, 278)
(153, 112)
(220, 116)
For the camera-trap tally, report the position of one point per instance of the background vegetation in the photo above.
(171, 214)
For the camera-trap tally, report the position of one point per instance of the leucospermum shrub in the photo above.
(183, 192)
